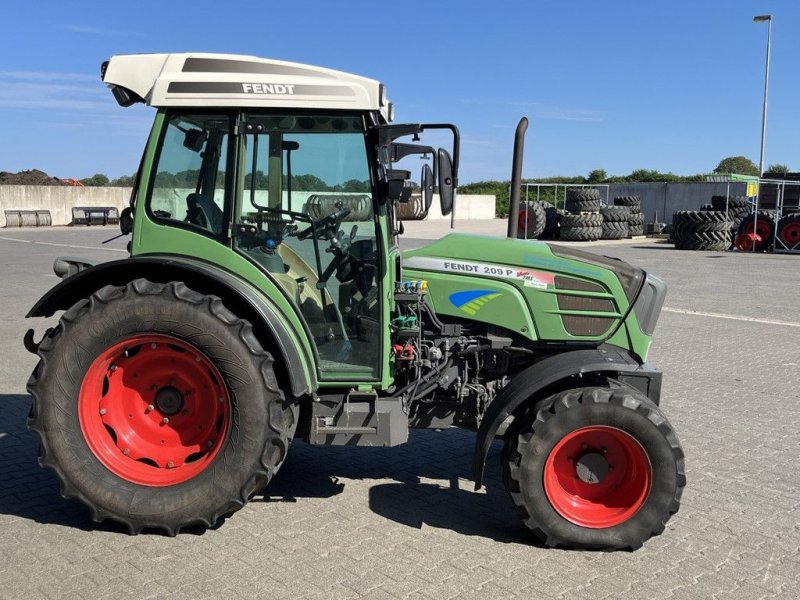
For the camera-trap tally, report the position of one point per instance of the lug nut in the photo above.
(165, 421)
(113, 367)
(153, 346)
(103, 411)
(584, 446)
(127, 451)
(610, 468)
(220, 399)
(603, 449)
(170, 465)
(209, 443)
(197, 359)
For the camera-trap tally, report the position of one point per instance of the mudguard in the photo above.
(528, 383)
(202, 277)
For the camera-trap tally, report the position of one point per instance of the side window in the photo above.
(190, 175)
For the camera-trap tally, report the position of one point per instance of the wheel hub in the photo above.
(169, 400)
(592, 468)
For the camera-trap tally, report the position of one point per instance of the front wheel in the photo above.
(158, 407)
(594, 468)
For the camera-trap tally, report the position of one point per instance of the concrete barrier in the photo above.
(60, 200)
(467, 207)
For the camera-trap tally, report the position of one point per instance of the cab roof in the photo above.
(236, 81)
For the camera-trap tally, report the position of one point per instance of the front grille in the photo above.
(586, 326)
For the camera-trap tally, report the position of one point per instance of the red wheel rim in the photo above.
(522, 219)
(790, 233)
(747, 241)
(154, 410)
(762, 229)
(597, 477)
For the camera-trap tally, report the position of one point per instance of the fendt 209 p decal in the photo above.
(537, 279)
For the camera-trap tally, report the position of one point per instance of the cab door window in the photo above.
(307, 191)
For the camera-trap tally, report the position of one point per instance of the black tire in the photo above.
(585, 220)
(582, 200)
(531, 220)
(536, 441)
(261, 421)
(615, 213)
(615, 230)
(763, 224)
(734, 203)
(580, 234)
(702, 240)
(635, 230)
(632, 202)
(788, 231)
(635, 219)
(704, 220)
(551, 220)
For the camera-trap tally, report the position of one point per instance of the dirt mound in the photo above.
(32, 177)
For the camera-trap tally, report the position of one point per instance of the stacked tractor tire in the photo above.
(731, 223)
(585, 218)
(588, 219)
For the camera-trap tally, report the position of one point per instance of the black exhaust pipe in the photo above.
(516, 178)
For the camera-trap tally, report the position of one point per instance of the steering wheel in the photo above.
(327, 227)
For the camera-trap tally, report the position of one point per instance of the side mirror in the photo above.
(426, 183)
(446, 188)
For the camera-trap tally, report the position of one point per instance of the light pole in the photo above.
(761, 19)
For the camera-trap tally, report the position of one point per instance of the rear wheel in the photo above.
(594, 467)
(158, 407)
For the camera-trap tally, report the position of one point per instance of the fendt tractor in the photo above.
(266, 298)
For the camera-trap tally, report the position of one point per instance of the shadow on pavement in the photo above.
(430, 483)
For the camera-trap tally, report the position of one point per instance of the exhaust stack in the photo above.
(516, 178)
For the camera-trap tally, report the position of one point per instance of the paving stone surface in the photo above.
(405, 522)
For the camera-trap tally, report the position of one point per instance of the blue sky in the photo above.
(615, 84)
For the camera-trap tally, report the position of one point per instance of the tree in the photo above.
(123, 181)
(98, 179)
(597, 176)
(777, 169)
(737, 164)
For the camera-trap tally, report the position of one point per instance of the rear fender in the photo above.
(269, 325)
(528, 385)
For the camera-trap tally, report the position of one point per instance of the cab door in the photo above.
(305, 215)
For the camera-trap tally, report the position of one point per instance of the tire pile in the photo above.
(712, 228)
(585, 218)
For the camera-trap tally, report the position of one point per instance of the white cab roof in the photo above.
(228, 80)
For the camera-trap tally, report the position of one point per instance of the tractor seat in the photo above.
(203, 212)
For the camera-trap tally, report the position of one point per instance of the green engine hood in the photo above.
(541, 291)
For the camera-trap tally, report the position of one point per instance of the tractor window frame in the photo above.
(229, 187)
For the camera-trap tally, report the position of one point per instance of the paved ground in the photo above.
(404, 522)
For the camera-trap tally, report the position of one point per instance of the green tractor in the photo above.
(266, 298)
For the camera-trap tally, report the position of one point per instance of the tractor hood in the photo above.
(542, 291)
(521, 260)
